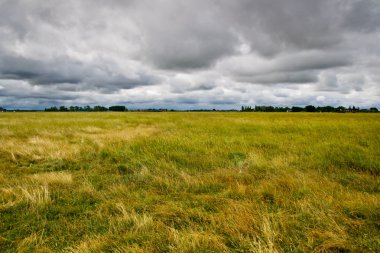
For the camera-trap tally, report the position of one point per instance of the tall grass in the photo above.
(189, 182)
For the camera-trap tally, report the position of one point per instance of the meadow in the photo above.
(189, 182)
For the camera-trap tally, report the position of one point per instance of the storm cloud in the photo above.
(189, 54)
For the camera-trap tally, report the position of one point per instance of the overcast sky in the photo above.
(188, 54)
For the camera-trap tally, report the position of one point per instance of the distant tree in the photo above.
(310, 108)
(246, 109)
(87, 108)
(118, 108)
(281, 109)
(297, 109)
(259, 108)
(63, 109)
(99, 108)
(2, 109)
(51, 109)
(342, 109)
(373, 109)
(326, 109)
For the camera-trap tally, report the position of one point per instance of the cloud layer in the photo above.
(189, 54)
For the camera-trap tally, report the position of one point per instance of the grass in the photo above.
(189, 182)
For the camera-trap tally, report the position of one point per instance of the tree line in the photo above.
(87, 108)
(260, 108)
(308, 108)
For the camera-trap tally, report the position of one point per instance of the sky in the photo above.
(184, 54)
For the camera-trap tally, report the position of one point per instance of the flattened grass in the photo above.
(189, 182)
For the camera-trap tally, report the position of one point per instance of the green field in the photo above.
(189, 182)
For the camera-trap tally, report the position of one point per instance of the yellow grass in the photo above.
(189, 182)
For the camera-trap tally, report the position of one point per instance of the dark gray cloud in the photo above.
(281, 78)
(100, 75)
(273, 26)
(21, 68)
(295, 68)
(363, 16)
(184, 35)
(199, 53)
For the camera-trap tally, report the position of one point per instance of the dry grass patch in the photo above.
(67, 144)
(9, 197)
(35, 240)
(102, 137)
(38, 196)
(195, 241)
(133, 221)
(39, 148)
(35, 195)
(92, 245)
(53, 178)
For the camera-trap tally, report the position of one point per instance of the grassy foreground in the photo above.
(189, 182)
